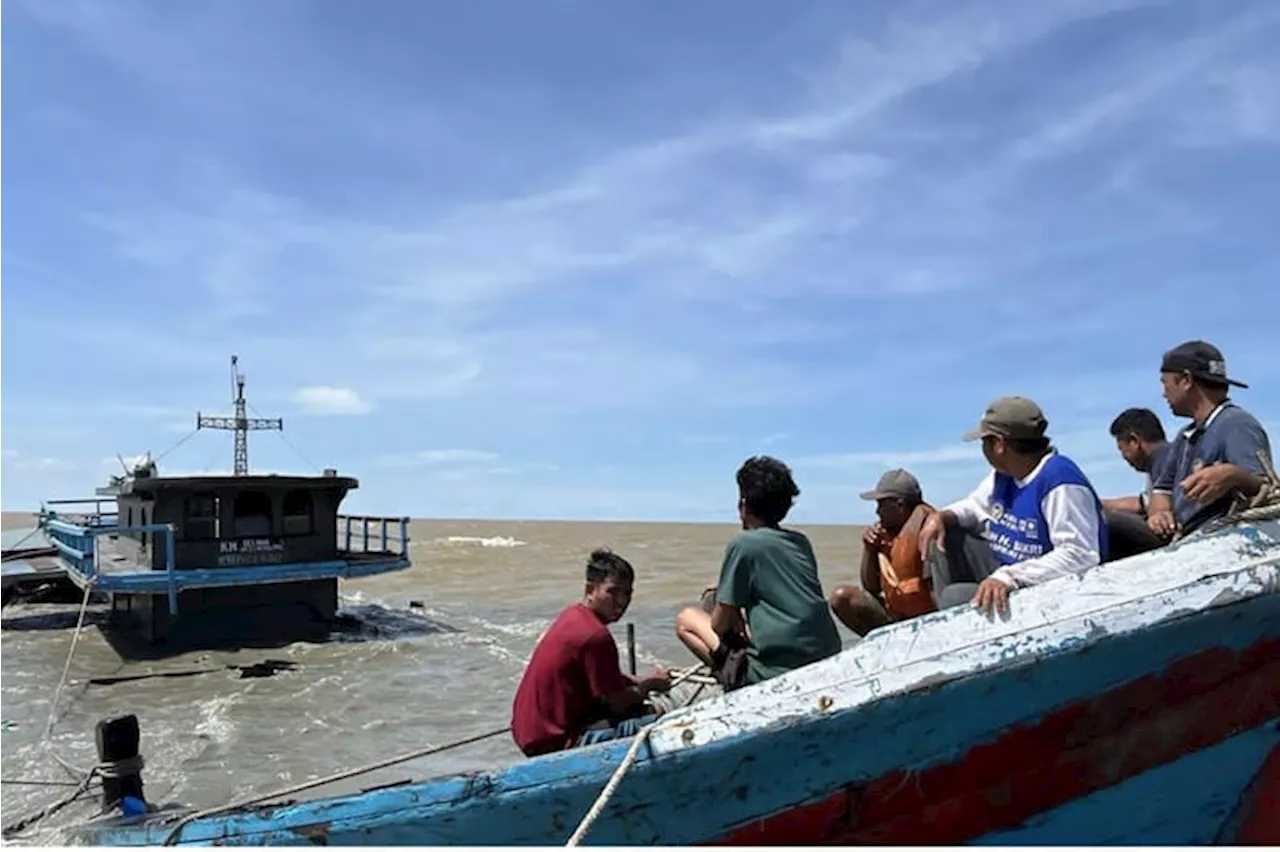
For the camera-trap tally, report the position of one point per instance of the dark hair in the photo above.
(1140, 423)
(604, 564)
(1028, 446)
(766, 486)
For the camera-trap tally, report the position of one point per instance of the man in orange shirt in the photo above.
(895, 584)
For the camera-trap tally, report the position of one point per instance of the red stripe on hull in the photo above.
(1066, 754)
(1261, 826)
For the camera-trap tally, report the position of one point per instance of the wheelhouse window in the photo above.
(299, 513)
(252, 515)
(200, 517)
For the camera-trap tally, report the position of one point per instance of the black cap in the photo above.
(1202, 360)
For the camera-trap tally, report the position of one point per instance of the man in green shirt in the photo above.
(769, 577)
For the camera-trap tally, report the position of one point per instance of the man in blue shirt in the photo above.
(1220, 455)
(1140, 438)
(1034, 518)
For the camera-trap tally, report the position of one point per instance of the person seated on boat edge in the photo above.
(1035, 517)
(1218, 456)
(770, 574)
(895, 584)
(573, 691)
(1140, 439)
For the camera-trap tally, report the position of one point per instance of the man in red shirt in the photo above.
(573, 691)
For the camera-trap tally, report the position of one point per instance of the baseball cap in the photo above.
(1013, 417)
(895, 483)
(1200, 359)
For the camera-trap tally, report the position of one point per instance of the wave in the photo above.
(491, 541)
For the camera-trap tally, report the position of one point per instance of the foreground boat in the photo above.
(1137, 703)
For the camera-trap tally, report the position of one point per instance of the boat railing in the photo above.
(370, 534)
(76, 544)
(97, 517)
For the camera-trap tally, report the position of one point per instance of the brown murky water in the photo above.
(429, 675)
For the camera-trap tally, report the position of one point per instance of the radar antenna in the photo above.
(240, 424)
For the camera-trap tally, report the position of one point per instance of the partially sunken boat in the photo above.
(206, 561)
(1137, 703)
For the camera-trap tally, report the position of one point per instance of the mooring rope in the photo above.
(1262, 506)
(628, 761)
(172, 838)
(71, 768)
(50, 810)
(642, 736)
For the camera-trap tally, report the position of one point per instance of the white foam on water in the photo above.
(482, 541)
(215, 722)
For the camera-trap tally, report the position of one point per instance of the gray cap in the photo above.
(1013, 417)
(895, 483)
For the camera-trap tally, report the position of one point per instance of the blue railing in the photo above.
(363, 529)
(96, 518)
(73, 534)
(76, 544)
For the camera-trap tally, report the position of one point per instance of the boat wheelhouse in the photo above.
(205, 561)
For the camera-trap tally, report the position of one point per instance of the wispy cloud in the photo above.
(322, 399)
(883, 218)
(444, 456)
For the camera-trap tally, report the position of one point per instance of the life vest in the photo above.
(902, 571)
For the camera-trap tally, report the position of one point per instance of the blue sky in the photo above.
(579, 259)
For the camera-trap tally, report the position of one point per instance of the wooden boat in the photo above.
(194, 562)
(1136, 703)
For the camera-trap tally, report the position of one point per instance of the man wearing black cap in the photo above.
(1218, 456)
(1037, 512)
(895, 583)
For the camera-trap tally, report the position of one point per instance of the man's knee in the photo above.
(688, 615)
(689, 620)
(955, 595)
(843, 595)
(857, 609)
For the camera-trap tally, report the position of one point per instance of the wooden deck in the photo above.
(30, 559)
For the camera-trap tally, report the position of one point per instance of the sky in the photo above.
(573, 259)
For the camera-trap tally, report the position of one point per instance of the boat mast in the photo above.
(240, 424)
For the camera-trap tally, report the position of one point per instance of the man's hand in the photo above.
(659, 680)
(991, 595)
(1209, 483)
(934, 529)
(874, 537)
(1163, 523)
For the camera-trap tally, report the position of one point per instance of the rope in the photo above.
(74, 770)
(1263, 506)
(50, 810)
(18, 544)
(341, 776)
(280, 434)
(122, 768)
(174, 834)
(606, 794)
(628, 761)
(184, 439)
(31, 782)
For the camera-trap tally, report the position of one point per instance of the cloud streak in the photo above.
(900, 214)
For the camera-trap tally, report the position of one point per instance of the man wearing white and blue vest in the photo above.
(1035, 517)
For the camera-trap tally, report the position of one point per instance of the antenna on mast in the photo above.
(240, 424)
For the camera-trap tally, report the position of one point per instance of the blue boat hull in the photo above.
(1157, 718)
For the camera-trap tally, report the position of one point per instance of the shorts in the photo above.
(603, 732)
